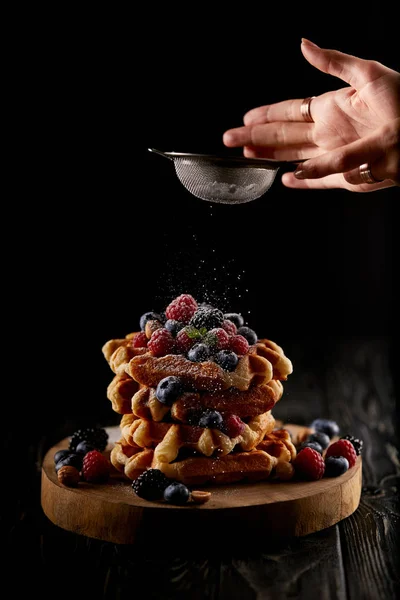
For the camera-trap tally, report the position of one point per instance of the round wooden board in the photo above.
(244, 512)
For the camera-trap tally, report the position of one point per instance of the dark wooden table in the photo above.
(351, 381)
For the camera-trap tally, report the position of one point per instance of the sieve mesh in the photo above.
(217, 182)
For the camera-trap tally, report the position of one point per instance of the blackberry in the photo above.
(150, 485)
(206, 317)
(95, 436)
(358, 444)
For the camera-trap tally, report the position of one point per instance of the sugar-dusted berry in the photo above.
(139, 340)
(217, 338)
(209, 318)
(238, 344)
(187, 337)
(229, 327)
(162, 342)
(343, 448)
(176, 493)
(309, 464)
(248, 333)
(181, 308)
(168, 389)
(235, 318)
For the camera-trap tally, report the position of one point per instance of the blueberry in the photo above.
(149, 316)
(335, 466)
(235, 318)
(331, 428)
(314, 445)
(321, 438)
(173, 326)
(249, 334)
(73, 459)
(168, 389)
(227, 360)
(84, 447)
(199, 352)
(211, 419)
(61, 454)
(176, 493)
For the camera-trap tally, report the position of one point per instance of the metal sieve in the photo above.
(224, 179)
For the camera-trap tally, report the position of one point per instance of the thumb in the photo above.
(349, 68)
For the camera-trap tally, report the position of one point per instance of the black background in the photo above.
(108, 231)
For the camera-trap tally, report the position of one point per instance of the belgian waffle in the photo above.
(169, 438)
(270, 459)
(249, 403)
(265, 361)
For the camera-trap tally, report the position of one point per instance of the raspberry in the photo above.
(151, 484)
(218, 338)
(182, 308)
(96, 467)
(186, 338)
(309, 464)
(229, 327)
(139, 340)
(162, 342)
(238, 344)
(343, 448)
(232, 426)
(358, 444)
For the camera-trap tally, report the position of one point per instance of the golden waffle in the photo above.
(281, 365)
(251, 369)
(169, 438)
(271, 459)
(278, 443)
(119, 352)
(238, 466)
(249, 403)
(129, 460)
(120, 392)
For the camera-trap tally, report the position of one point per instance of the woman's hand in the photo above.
(351, 126)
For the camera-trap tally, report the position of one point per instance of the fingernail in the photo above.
(307, 42)
(300, 174)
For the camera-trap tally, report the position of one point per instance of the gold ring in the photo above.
(305, 109)
(366, 175)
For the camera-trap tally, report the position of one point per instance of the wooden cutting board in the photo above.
(238, 512)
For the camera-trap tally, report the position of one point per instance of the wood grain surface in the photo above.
(113, 513)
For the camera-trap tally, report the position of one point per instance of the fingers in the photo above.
(269, 135)
(354, 71)
(288, 110)
(294, 153)
(379, 149)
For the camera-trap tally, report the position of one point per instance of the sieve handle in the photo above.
(160, 153)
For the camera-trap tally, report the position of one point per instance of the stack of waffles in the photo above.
(219, 427)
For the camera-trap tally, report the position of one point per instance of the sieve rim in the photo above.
(229, 160)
